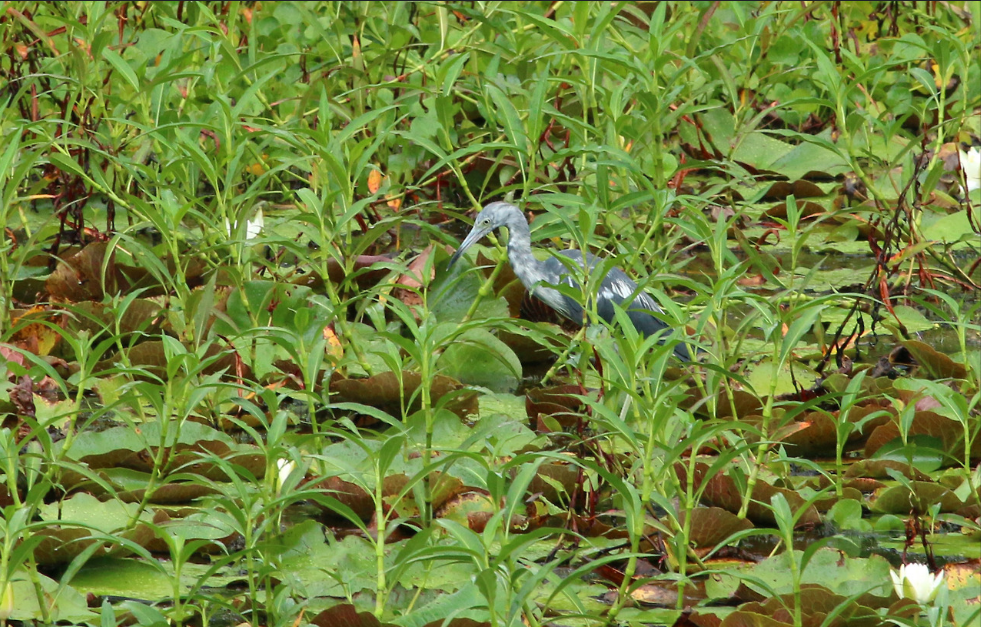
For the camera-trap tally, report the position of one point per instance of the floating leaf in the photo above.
(947, 437)
(712, 525)
(479, 358)
(63, 540)
(917, 498)
(937, 365)
(560, 403)
(722, 491)
(384, 392)
(80, 277)
(35, 337)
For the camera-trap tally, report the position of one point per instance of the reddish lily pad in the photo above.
(79, 277)
(346, 615)
(355, 497)
(918, 498)
(930, 424)
(879, 469)
(816, 434)
(935, 364)
(721, 491)
(81, 521)
(712, 525)
(384, 392)
(562, 403)
(140, 315)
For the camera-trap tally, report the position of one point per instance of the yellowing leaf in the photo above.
(36, 337)
(258, 168)
(334, 348)
(374, 181)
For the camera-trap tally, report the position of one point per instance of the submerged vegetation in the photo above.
(239, 383)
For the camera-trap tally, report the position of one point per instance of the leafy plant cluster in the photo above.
(239, 383)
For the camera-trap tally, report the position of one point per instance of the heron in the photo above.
(540, 277)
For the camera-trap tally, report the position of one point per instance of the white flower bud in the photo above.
(914, 581)
(971, 164)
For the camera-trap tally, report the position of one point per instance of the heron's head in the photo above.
(491, 217)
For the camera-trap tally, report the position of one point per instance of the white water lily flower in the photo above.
(971, 164)
(252, 228)
(286, 467)
(914, 581)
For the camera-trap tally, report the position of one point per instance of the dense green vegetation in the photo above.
(239, 385)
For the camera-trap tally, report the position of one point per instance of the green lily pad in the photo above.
(479, 358)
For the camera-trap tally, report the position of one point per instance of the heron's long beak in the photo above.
(472, 238)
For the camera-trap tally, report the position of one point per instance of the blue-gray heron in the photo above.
(615, 288)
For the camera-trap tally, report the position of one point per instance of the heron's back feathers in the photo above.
(616, 288)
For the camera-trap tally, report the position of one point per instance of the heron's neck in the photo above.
(523, 262)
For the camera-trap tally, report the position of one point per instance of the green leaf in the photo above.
(508, 117)
(118, 62)
(479, 358)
